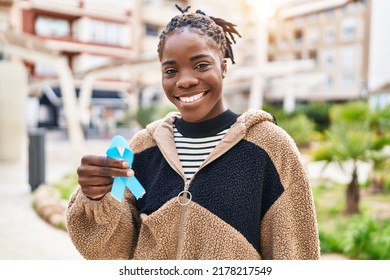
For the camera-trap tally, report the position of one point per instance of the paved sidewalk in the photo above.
(23, 234)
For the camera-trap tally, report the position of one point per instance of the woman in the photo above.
(218, 185)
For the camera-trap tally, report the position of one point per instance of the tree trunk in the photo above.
(353, 195)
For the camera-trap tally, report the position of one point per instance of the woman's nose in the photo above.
(186, 80)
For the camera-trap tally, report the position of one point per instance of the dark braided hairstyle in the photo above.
(218, 30)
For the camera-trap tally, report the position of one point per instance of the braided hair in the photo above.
(216, 29)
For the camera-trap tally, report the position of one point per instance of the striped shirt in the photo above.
(193, 151)
(195, 141)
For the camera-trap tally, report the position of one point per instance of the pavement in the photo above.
(25, 235)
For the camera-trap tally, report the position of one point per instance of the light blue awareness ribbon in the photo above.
(120, 149)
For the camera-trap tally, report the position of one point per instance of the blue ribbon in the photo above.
(120, 149)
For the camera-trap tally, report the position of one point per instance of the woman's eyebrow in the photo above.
(198, 56)
(192, 58)
(169, 62)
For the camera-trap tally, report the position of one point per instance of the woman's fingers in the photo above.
(95, 180)
(96, 174)
(103, 171)
(103, 161)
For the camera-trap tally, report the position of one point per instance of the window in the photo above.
(312, 35)
(349, 28)
(283, 42)
(330, 34)
(329, 84)
(350, 56)
(330, 13)
(329, 59)
(298, 36)
(3, 21)
(42, 68)
(107, 33)
(348, 81)
(52, 27)
(313, 54)
(152, 30)
(85, 62)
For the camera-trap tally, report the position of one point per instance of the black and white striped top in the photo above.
(193, 151)
(195, 141)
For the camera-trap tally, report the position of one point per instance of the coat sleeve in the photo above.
(289, 227)
(104, 229)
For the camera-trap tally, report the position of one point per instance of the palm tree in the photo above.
(347, 142)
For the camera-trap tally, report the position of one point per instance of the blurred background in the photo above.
(75, 72)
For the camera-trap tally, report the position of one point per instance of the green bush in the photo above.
(317, 112)
(363, 236)
(146, 115)
(367, 239)
(300, 128)
(66, 186)
(354, 111)
(330, 243)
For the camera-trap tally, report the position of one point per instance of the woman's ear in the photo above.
(224, 68)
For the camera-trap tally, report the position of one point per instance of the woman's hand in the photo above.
(96, 174)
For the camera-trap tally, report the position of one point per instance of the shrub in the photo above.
(330, 243)
(66, 186)
(368, 239)
(317, 112)
(146, 115)
(300, 128)
(356, 111)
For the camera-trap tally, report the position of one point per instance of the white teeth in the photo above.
(188, 99)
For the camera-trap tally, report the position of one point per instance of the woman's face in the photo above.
(192, 73)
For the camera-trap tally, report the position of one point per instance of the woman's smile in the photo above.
(191, 98)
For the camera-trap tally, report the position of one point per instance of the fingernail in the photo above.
(125, 164)
(130, 173)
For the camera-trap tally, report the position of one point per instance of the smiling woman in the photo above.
(219, 185)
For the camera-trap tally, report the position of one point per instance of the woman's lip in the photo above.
(191, 98)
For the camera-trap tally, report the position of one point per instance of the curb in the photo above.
(49, 206)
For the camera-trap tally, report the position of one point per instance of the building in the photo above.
(87, 35)
(379, 74)
(335, 35)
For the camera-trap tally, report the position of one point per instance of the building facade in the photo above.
(335, 35)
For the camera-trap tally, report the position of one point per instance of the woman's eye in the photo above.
(202, 65)
(170, 71)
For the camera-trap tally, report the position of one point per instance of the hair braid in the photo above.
(218, 30)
